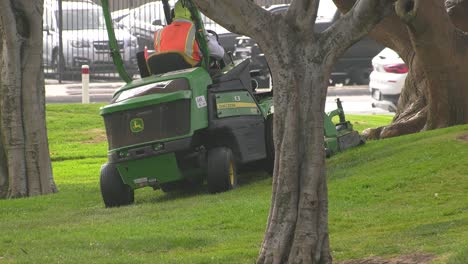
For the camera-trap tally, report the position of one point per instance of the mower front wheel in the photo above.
(221, 170)
(114, 191)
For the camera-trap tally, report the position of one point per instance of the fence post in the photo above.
(60, 62)
(85, 84)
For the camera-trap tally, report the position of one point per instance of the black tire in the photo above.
(221, 170)
(114, 191)
(328, 152)
(360, 76)
(269, 145)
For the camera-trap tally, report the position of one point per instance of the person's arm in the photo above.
(216, 50)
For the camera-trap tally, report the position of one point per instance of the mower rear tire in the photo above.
(221, 170)
(113, 190)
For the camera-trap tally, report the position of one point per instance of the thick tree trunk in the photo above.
(297, 230)
(300, 61)
(435, 93)
(25, 168)
(458, 10)
(442, 54)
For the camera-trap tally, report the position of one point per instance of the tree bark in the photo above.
(442, 54)
(25, 167)
(457, 10)
(300, 62)
(434, 95)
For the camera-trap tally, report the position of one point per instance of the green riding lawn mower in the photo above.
(179, 126)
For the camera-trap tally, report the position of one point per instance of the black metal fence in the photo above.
(74, 34)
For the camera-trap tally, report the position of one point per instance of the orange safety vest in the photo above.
(178, 36)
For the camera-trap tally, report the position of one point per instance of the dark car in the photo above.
(353, 67)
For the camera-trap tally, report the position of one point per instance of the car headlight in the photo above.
(80, 43)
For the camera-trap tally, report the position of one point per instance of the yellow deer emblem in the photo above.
(137, 125)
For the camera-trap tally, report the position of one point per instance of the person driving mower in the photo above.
(179, 36)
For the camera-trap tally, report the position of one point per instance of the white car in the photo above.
(387, 79)
(84, 38)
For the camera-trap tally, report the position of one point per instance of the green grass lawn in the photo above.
(387, 198)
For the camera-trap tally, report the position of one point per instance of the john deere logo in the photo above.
(137, 125)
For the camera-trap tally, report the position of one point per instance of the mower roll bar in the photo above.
(114, 47)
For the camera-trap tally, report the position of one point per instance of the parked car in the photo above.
(84, 38)
(387, 79)
(354, 66)
(142, 21)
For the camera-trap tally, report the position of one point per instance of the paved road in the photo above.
(356, 99)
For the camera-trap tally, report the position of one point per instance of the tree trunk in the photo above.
(435, 93)
(442, 54)
(25, 167)
(300, 62)
(297, 230)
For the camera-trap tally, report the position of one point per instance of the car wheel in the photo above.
(269, 145)
(114, 191)
(360, 76)
(221, 170)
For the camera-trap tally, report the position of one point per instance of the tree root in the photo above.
(410, 121)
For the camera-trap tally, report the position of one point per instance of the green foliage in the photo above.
(386, 198)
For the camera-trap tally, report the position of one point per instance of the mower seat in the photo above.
(163, 62)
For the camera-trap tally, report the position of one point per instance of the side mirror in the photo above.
(157, 22)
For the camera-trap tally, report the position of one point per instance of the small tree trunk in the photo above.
(25, 168)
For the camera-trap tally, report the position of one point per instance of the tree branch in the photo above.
(351, 27)
(303, 13)
(418, 16)
(241, 16)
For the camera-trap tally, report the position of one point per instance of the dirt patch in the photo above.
(98, 135)
(418, 258)
(463, 137)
